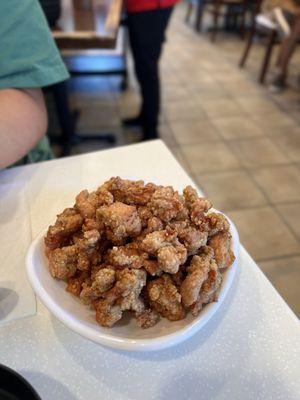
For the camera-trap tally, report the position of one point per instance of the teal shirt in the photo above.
(29, 57)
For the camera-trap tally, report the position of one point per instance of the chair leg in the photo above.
(216, 14)
(199, 15)
(243, 24)
(189, 12)
(247, 48)
(65, 116)
(215, 25)
(267, 58)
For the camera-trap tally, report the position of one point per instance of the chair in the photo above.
(265, 26)
(86, 25)
(198, 5)
(235, 9)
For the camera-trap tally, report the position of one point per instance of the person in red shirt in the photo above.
(147, 22)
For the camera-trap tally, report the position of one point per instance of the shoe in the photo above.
(135, 122)
(150, 134)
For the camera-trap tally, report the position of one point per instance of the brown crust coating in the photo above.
(197, 206)
(67, 223)
(147, 318)
(171, 257)
(120, 222)
(197, 274)
(221, 243)
(128, 256)
(165, 298)
(209, 291)
(166, 204)
(143, 249)
(130, 192)
(63, 262)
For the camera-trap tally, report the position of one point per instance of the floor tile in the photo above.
(271, 123)
(91, 119)
(221, 108)
(171, 93)
(128, 110)
(214, 156)
(167, 135)
(264, 234)
(285, 276)
(182, 110)
(280, 184)
(180, 158)
(128, 98)
(231, 190)
(289, 142)
(291, 214)
(193, 131)
(256, 105)
(237, 127)
(257, 152)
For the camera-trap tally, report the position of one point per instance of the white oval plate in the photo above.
(125, 335)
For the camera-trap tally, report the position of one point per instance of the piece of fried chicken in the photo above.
(165, 298)
(120, 222)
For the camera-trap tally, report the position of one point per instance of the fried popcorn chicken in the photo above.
(165, 298)
(123, 296)
(120, 221)
(190, 236)
(221, 243)
(67, 223)
(104, 196)
(91, 224)
(147, 318)
(165, 246)
(152, 267)
(63, 262)
(86, 249)
(141, 249)
(75, 283)
(145, 214)
(217, 223)
(130, 192)
(210, 289)
(87, 203)
(197, 274)
(130, 280)
(178, 278)
(154, 224)
(107, 314)
(128, 256)
(171, 257)
(102, 282)
(166, 204)
(197, 206)
(156, 240)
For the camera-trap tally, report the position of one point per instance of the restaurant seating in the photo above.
(80, 29)
(262, 25)
(230, 9)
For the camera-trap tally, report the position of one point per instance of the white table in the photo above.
(249, 350)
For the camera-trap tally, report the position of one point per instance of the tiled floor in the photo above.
(238, 141)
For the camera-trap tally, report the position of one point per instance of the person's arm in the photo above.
(23, 122)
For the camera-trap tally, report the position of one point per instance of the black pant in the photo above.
(147, 34)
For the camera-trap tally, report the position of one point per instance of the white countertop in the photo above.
(249, 350)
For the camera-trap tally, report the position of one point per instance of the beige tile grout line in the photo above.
(283, 257)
